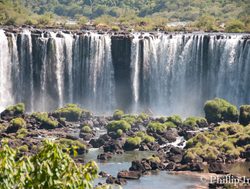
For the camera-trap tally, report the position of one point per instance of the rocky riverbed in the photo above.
(138, 149)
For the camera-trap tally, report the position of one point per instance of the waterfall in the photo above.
(164, 73)
(5, 72)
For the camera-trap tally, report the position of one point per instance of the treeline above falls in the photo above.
(161, 73)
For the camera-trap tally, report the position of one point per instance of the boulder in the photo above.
(217, 168)
(104, 156)
(97, 143)
(114, 180)
(129, 175)
(137, 166)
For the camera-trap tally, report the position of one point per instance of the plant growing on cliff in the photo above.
(17, 109)
(16, 124)
(49, 168)
(46, 122)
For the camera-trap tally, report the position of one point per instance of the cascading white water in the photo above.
(165, 73)
(135, 67)
(5, 73)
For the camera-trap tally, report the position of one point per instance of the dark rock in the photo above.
(137, 166)
(129, 174)
(170, 166)
(217, 168)
(103, 174)
(114, 180)
(97, 143)
(86, 136)
(170, 135)
(113, 146)
(104, 156)
(144, 147)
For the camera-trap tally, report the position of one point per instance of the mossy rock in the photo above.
(195, 122)
(46, 122)
(86, 129)
(156, 127)
(175, 119)
(131, 119)
(145, 137)
(17, 109)
(218, 110)
(117, 115)
(119, 124)
(119, 132)
(71, 112)
(22, 133)
(73, 145)
(16, 124)
(132, 143)
(244, 118)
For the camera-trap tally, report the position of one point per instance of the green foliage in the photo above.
(75, 146)
(18, 123)
(115, 28)
(135, 141)
(86, 129)
(143, 116)
(218, 109)
(82, 20)
(175, 119)
(131, 119)
(17, 109)
(207, 23)
(46, 122)
(119, 132)
(235, 26)
(145, 137)
(49, 168)
(22, 133)
(71, 112)
(194, 122)
(156, 127)
(119, 124)
(228, 139)
(244, 118)
(118, 114)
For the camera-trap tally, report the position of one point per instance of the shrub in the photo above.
(86, 129)
(18, 122)
(217, 110)
(50, 167)
(46, 122)
(118, 114)
(148, 138)
(235, 26)
(22, 133)
(136, 141)
(71, 112)
(156, 127)
(198, 139)
(244, 115)
(131, 119)
(143, 116)
(175, 119)
(119, 132)
(169, 125)
(195, 122)
(119, 124)
(17, 109)
(73, 145)
(115, 28)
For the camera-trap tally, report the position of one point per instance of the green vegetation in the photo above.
(75, 146)
(118, 114)
(158, 127)
(17, 109)
(18, 123)
(86, 129)
(49, 168)
(22, 133)
(134, 141)
(129, 14)
(145, 137)
(119, 124)
(71, 112)
(218, 109)
(244, 118)
(194, 122)
(176, 119)
(227, 139)
(46, 122)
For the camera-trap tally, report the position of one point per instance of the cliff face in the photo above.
(164, 73)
